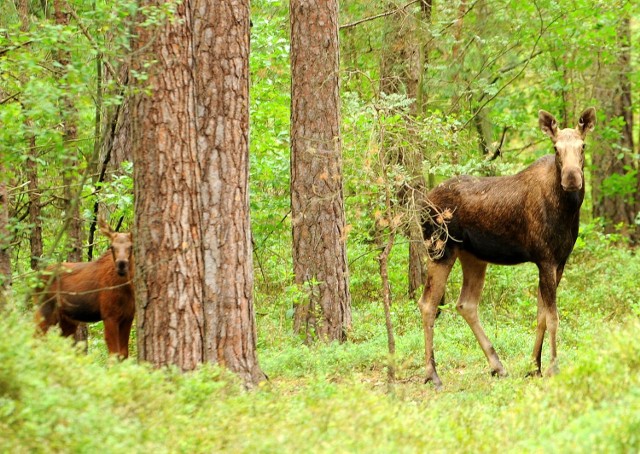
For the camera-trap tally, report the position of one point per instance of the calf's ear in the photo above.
(105, 229)
(548, 124)
(587, 122)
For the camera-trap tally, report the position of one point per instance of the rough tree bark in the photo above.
(317, 205)
(190, 148)
(223, 138)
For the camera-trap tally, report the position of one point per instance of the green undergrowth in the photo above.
(336, 397)
(331, 398)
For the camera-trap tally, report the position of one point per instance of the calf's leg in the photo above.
(125, 330)
(67, 325)
(473, 271)
(437, 274)
(112, 335)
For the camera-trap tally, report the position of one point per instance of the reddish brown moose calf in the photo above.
(532, 216)
(93, 291)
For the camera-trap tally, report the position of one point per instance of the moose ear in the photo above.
(587, 121)
(548, 124)
(105, 229)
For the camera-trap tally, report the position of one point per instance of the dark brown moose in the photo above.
(93, 291)
(532, 216)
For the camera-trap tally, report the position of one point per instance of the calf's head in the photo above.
(569, 146)
(121, 248)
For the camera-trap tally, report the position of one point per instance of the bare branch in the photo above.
(498, 151)
(378, 16)
(532, 54)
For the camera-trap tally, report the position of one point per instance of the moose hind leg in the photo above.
(437, 274)
(47, 316)
(473, 271)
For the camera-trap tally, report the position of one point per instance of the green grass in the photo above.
(336, 398)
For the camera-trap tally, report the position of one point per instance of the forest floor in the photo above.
(337, 397)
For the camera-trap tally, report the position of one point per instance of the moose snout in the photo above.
(122, 267)
(571, 179)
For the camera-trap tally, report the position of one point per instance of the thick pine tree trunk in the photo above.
(194, 276)
(223, 138)
(317, 205)
(169, 269)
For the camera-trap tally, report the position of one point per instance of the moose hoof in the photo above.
(534, 373)
(553, 370)
(437, 384)
(499, 373)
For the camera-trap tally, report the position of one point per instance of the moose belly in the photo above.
(86, 312)
(494, 249)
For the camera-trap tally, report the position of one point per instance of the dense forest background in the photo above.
(428, 90)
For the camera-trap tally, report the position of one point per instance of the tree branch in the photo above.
(377, 16)
(542, 31)
(86, 33)
(498, 151)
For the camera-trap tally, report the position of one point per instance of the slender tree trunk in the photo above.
(35, 238)
(317, 203)
(417, 253)
(5, 233)
(426, 9)
(608, 161)
(69, 116)
(402, 70)
(114, 140)
(5, 241)
(194, 281)
(118, 144)
(383, 260)
(457, 30)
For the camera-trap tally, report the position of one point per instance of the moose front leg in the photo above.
(540, 330)
(547, 318)
(112, 335)
(125, 330)
(437, 274)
